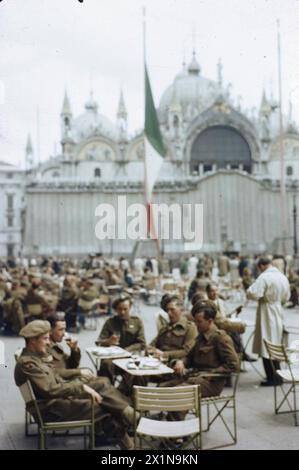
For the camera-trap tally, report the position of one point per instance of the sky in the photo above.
(49, 46)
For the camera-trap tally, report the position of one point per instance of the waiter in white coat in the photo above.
(271, 289)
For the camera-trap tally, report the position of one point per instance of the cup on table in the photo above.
(116, 335)
(137, 359)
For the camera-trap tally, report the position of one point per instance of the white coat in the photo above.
(271, 289)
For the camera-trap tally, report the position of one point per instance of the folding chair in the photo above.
(217, 407)
(29, 421)
(44, 427)
(290, 380)
(160, 399)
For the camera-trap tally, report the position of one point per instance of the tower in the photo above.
(29, 154)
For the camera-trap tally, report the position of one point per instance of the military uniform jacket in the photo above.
(213, 352)
(177, 339)
(66, 365)
(47, 384)
(131, 333)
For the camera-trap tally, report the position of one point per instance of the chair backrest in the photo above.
(276, 352)
(27, 392)
(167, 398)
(29, 397)
(17, 354)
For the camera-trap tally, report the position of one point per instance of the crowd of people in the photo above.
(42, 299)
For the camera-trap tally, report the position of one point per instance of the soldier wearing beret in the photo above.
(63, 400)
(122, 330)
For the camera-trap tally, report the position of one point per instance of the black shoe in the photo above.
(271, 383)
(103, 441)
(248, 358)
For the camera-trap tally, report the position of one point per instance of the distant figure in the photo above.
(192, 266)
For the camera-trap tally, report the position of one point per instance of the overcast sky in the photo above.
(50, 45)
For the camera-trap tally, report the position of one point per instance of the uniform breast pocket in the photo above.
(206, 350)
(177, 337)
(132, 332)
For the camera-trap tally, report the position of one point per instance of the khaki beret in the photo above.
(35, 328)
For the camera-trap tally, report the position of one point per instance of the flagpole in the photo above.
(150, 228)
(281, 148)
(144, 78)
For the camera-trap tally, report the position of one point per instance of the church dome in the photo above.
(190, 89)
(92, 123)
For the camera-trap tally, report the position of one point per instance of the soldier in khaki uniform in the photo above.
(15, 320)
(122, 330)
(37, 305)
(67, 365)
(213, 352)
(174, 340)
(234, 328)
(61, 400)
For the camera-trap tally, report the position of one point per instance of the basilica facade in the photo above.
(218, 155)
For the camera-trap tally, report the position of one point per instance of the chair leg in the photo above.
(84, 437)
(26, 424)
(42, 440)
(295, 405)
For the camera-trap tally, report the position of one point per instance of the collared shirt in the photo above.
(131, 333)
(213, 351)
(44, 378)
(176, 339)
(65, 362)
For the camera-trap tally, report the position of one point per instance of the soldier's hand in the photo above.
(72, 343)
(114, 340)
(97, 397)
(157, 353)
(179, 368)
(87, 373)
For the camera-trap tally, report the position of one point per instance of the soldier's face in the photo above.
(57, 333)
(40, 344)
(212, 294)
(174, 312)
(123, 310)
(201, 323)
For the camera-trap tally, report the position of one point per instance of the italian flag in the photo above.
(155, 151)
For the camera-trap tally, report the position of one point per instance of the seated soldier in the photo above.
(233, 328)
(68, 400)
(122, 330)
(15, 309)
(67, 365)
(213, 352)
(176, 338)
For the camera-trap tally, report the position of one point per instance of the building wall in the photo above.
(10, 235)
(239, 213)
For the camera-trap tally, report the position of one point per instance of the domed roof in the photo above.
(189, 88)
(92, 123)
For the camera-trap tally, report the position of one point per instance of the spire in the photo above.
(219, 73)
(29, 148)
(194, 68)
(66, 107)
(29, 153)
(122, 110)
(91, 104)
(265, 107)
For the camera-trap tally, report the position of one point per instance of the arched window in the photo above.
(221, 146)
(66, 122)
(97, 173)
(289, 171)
